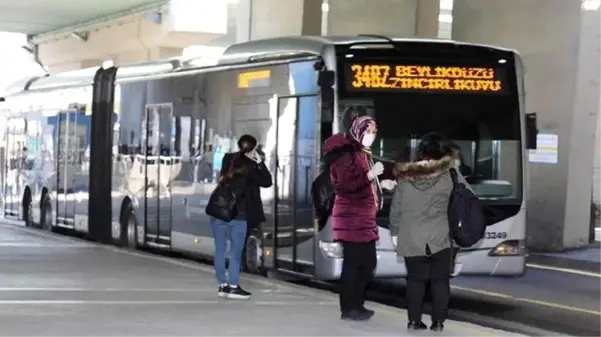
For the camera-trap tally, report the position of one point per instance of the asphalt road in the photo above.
(555, 301)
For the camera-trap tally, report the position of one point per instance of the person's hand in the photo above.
(254, 156)
(394, 240)
(388, 184)
(375, 171)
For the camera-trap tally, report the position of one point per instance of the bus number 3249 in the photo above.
(495, 235)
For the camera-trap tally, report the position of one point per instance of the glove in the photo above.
(388, 184)
(394, 240)
(375, 171)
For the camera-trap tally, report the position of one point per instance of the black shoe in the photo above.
(356, 315)
(223, 291)
(437, 326)
(368, 311)
(414, 325)
(238, 293)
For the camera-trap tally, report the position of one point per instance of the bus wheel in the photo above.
(253, 254)
(130, 235)
(46, 217)
(28, 211)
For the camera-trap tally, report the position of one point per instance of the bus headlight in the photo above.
(509, 248)
(332, 250)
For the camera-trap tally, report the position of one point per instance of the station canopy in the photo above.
(46, 17)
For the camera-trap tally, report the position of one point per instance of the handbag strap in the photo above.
(455, 181)
(454, 178)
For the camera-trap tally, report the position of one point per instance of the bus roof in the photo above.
(315, 45)
(236, 54)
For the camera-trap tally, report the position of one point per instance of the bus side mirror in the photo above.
(531, 131)
(326, 78)
(327, 104)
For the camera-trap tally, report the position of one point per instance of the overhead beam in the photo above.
(98, 22)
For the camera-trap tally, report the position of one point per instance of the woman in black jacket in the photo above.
(247, 173)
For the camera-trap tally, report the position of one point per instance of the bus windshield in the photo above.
(480, 119)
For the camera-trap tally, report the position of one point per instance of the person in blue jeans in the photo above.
(247, 173)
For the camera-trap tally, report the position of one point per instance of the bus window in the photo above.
(484, 124)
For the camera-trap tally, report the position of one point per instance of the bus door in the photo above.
(158, 165)
(296, 134)
(14, 152)
(62, 175)
(71, 166)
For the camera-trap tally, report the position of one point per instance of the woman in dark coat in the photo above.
(246, 171)
(354, 177)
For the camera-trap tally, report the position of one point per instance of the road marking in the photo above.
(42, 245)
(191, 290)
(564, 270)
(528, 300)
(462, 327)
(170, 302)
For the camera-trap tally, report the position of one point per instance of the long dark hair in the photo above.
(236, 166)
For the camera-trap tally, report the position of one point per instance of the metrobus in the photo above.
(129, 155)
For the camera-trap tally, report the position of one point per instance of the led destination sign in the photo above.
(406, 77)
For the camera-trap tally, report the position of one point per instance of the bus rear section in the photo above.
(471, 95)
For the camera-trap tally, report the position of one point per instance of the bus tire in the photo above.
(253, 253)
(129, 234)
(46, 214)
(28, 210)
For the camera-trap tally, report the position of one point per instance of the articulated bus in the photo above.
(130, 155)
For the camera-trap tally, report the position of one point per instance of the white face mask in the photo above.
(457, 163)
(368, 139)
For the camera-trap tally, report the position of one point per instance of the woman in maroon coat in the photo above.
(354, 177)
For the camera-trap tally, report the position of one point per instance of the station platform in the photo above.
(53, 285)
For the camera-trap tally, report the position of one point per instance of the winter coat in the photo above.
(355, 204)
(418, 213)
(247, 181)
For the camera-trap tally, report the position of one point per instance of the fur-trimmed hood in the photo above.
(422, 170)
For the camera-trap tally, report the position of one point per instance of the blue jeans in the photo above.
(235, 232)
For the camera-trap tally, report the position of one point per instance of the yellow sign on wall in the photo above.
(251, 79)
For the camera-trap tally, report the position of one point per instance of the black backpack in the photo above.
(322, 191)
(467, 222)
(222, 202)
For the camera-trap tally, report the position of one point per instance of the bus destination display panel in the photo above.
(393, 77)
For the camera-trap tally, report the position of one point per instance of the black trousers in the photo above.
(436, 270)
(358, 267)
